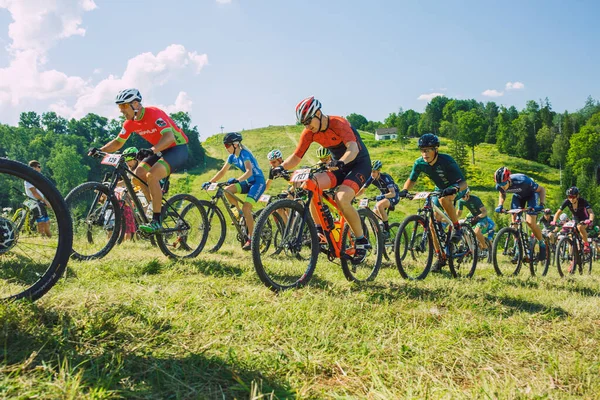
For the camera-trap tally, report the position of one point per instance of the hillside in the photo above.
(396, 160)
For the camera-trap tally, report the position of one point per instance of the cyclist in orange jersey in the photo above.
(350, 166)
(168, 153)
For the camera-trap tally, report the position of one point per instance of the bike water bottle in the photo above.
(337, 230)
(328, 217)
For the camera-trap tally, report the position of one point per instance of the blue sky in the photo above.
(246, 63)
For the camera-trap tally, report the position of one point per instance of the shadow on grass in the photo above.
(97, 354)
(217, 268)
(581, 290)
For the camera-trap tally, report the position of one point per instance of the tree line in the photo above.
(61, 145)
(569, 141)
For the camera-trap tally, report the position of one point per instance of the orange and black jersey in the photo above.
(335, 138)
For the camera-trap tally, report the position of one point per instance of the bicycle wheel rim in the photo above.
(368, 269)
(291, 259)
(508, 253)
(31, 265)
(95, 213)
(415, 243)
(464, 254)
(184, 224)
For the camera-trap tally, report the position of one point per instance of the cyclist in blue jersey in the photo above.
(526, 192)
(251, 183)
(389, 193)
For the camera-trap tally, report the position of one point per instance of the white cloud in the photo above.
(514, 85)
(182, 103)
(145, 72)
(429, 96)
(38, 24)
(223, 1)
(492, 93)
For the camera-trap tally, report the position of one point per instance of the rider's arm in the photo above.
(483, 212)
(462, 185)
(248, 173)
(391, 193)
(221, 172)
(542, 193)
(501, 198)
(361, 191)
(591, 218)
(112, 146)
(38, 196)
(408, 184)
(291, 162)
(351, 152)
(165, 141)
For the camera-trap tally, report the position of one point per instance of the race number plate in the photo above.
(111, 159)
(421, 196)
(213, 186)
(301, 175)
(570, 224)
(364, 203)
(264, 198)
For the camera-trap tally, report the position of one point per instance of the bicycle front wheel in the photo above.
(388, 241)
(96, 218)
(507, 254)
(293, 249)
(368, 269)
(31, 264)
(538, 262)
(413, 248)
(184, 227)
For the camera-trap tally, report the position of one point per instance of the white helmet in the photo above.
(128, 95)
(306, 109)
(563, 217)
(274, 155)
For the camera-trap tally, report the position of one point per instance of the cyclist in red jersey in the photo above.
(350, 166)
(168, 153)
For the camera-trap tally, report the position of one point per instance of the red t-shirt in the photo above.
(151, 125)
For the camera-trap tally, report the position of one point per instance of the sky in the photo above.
(244, 64)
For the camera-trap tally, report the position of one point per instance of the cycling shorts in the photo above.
(521, 202)
(252, 190)
(485, 224)
(172, 159)
(436, 200)
(354, 175)
(38, 210)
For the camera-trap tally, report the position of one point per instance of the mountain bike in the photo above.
(292, 260)
(96, 212)
(23, 218)
(570, 255)
(388, 237)
(217, 227)
(31, 264)
(415, 233)
(513, 246)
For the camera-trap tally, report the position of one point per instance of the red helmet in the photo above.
(306, 109)
(501, 175)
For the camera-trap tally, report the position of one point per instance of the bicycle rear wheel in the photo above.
(388, 242)
(217, 227)
(507, 254)
(184, 225)
(368, 269)
(291, 258)
(537, 266)
(413, 248)
(464, 254)
(96, 220)
(566, 256)
(31, 265)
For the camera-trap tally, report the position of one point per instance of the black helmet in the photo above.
(429, 140)
(232, 137)
(572, 191)
(502, 174)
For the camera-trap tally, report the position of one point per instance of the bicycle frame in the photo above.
(122, 171)
(221, 195)
(518, 225)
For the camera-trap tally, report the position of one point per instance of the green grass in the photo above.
(137, 325)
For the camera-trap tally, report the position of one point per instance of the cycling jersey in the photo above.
(384, 183)
(474, 205)
(520, 185)
(239, 162)
(582, 212)
(335, 138)
(444, 173)
(151, 124)
(545, 223)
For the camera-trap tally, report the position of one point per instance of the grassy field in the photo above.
(137, 325)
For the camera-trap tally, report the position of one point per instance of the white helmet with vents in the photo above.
(128, 95)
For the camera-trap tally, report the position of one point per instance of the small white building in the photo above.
(386, 134)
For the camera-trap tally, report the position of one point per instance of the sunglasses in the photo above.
(307, 121)
(427, 149)
(124, 106)
(573, 196)
(228, 145)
